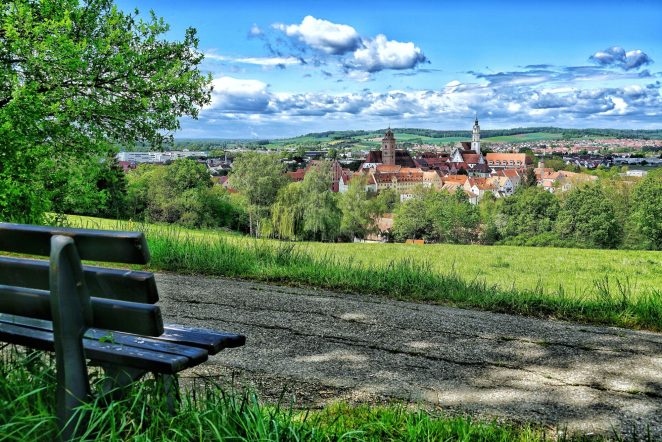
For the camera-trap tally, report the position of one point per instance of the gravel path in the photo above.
(323, 346)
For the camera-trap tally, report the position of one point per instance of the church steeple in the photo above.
(475, 136)
(388, 148)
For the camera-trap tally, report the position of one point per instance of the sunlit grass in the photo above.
(207, 412)
(609, 293)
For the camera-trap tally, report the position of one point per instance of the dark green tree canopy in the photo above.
(79, 77)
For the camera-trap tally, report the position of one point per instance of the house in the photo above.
(498, 161)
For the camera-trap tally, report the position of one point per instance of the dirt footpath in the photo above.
(324, 346)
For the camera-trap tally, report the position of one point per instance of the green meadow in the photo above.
(614, 287)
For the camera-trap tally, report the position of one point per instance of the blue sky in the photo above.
(288, 68)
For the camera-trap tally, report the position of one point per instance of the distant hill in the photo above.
(364, 139)
(554, 132)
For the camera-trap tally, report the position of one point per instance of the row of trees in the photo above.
(609, 213)
(306, 210)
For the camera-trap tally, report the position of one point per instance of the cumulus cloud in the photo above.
(259, 61)
(241, 100)
(238, 95)
(380, 53)
(323, 35)
(618, 57)
(353, 51)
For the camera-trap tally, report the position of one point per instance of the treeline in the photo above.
(607, 213)
(178, 193)
(486, 133)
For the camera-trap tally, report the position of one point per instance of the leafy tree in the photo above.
(529, 179)
(358, 210)
(321, 217)
(287, 212)
(77, 77)
(182, 193)
(647, 210)
(412, 220)
(528, 212)
(88, 187)
(258, 177)
(436, 216)
(588, 218)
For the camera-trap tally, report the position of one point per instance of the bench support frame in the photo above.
(72, 315)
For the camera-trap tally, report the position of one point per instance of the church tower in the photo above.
(475, 137)
(388, 148)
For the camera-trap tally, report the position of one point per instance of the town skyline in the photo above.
(303, 68)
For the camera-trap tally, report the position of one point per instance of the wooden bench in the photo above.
(107, 316)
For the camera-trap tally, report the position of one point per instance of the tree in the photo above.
(530, 179)
(77, 77)
(181, 192)
(436, 216)
(321, 217)
(647, 210)
(358, 211)
(588, 218)
(287, 212)
(258, 177)
(530, 211)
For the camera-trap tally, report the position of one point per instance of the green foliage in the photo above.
(436, 217)
(308, 209)
(258, 177)
(529, 212)
(588, 217)
(358, 210)
(321, 217)
(182, 193)
(77, 77)
(208, 412)
(647, 210)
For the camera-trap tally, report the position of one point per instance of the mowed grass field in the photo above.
(576, 272)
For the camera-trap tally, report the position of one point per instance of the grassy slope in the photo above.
(408, 273)
(576, 270)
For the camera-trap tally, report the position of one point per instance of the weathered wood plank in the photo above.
(93, 245)
(196, 355)
(107, 352)
(212, 340)
(109, 314)
(124, 285)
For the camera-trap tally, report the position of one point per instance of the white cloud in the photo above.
(616, 56)
(380, 53)
(238, 95)
(323, 35)
(260, 61)
(355, 52)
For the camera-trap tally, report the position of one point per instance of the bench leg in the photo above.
(117, 380)
(171, 389)
(70, 307)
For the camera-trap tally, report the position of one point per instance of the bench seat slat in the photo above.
(107, 352)
(92, 245)
(125, 285)
(129, 317)
(212, 340)
(195, 354)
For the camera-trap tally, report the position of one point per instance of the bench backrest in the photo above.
(120, 300)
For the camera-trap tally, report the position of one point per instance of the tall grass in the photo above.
(207, 412)
(610, 302)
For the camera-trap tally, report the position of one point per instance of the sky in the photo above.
(282, 69)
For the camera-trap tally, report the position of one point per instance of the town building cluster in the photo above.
(465, 169)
